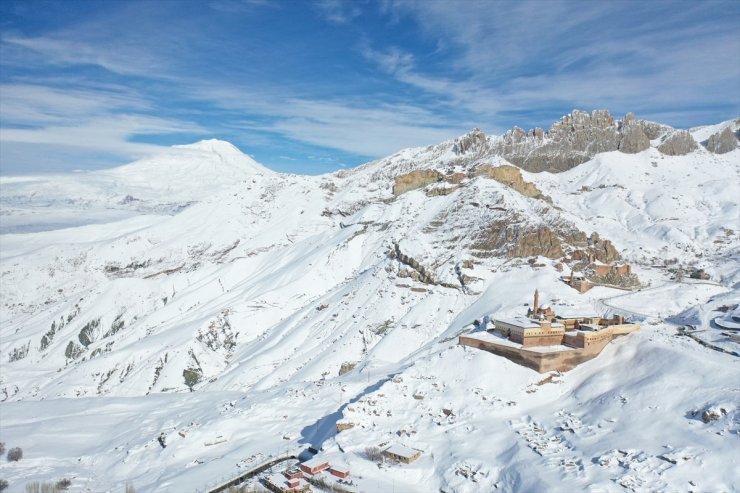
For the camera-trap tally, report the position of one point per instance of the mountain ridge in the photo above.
(265, 290)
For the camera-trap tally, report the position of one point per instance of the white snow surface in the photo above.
(265, 284)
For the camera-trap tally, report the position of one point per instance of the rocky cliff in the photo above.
(579, 136)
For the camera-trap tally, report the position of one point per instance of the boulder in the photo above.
(678, 143)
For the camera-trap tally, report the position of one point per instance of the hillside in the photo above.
(293, 302)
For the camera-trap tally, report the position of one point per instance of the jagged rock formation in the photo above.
(514, 239)
(571, 141)
(473, 142)
(633, 138)
(678, 143)
(420, 273)
(578, 137)
(721, 142)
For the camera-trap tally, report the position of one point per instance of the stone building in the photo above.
(402, 453)
(552, 343)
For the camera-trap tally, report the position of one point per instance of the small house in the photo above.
(278, 484)
(293, 473)
(402, 453)
(339, 471)
(315, 465)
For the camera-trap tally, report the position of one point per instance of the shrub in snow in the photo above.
(15, 454)
(192, 377)
(2, 448)
(3, 484)
(130, 488)
(374, 454)
(63, 484)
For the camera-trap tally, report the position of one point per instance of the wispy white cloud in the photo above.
(116, 56)
(339, 11)
(345, 125)
(510, 57)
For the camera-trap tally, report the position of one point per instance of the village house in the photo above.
(339, 471)
(545, 342)
(315, 465)
(280, 484)
(402, 453)
(293, 473)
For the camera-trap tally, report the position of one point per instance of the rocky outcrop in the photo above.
(415, 179)
(594, 248)
(633, 138)
(513, 240)
(419, 273)
(575, 139)
(511, 177)
(540, 242)
(571, 141)
(473, 142)
(654, 130)
(678, 143)
(508, 237)
(721, 142)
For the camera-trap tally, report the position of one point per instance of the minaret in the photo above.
(536, 307)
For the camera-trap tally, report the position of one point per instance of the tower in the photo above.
(536, 306)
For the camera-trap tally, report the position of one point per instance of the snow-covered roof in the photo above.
(315, 462)
(341, 468)
(277, 479)
(522, 322)
(402, 450)
(527, 323)
(575, 316)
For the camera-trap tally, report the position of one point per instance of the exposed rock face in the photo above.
(654, 130)
(347, 367)
(571, 141)
(502, 237)
(415, 179)
(603, 250)
(633, 139)
(575, 139)
(511, 177)
(543, 241)
(721, 142)
(473, 142)
(678, 143)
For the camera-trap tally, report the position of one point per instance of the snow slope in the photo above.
(268, 286)
(162, 184)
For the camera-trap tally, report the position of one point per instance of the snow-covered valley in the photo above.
(244, 313)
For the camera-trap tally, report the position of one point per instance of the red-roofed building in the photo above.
(314, 466)
(339, 471)
(293, 473)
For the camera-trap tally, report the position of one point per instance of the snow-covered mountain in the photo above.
(162, 184)
(288, 303)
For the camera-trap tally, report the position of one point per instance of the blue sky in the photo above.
(310, 87)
